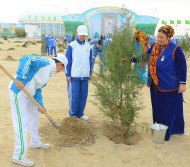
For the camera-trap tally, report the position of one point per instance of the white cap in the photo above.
(62, 59)
(82, 30)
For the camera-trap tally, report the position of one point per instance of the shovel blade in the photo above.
(56, 125)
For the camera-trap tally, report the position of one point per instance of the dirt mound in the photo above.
(27, 43)
(77, 132)
(118, 134)
(9, 58)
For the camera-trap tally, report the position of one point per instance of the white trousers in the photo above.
(25, 116)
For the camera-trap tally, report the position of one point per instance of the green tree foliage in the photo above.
(71, 26)
(7, 34)
(43, 45)
(118, 90)
(20, 34)
(184, 43)
(147, 28)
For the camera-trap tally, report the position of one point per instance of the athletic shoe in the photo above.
(40, 146)
(84, 118)
(23, 162)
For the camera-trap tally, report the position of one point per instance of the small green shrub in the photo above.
(118, 90)
(5, 38)
(27, 43)
(11, 49)
(20, 34)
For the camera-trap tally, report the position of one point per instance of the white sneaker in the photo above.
(40, 146)
(23, 162)
(84, 118)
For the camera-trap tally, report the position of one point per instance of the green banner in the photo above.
(172, 22)
(178, 21)
(164, 22)
(187, 21)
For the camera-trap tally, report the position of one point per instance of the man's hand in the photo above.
(182, 88)
(68, 79)
(19, 85)
(41, 110)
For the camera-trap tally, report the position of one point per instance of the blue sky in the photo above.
(164, 9)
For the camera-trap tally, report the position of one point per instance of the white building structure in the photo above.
(43, 20)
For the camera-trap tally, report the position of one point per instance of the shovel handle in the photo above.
(28, 95)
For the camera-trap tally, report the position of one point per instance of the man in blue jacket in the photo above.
(52, 44)
(98, 46)
(47, 47)
(79, 69)
(33, 73)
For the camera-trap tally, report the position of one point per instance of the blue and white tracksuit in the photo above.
(52, 45)
(79, 68)
(34, 72)
(69, 38)
(97, 50)
(47, 47)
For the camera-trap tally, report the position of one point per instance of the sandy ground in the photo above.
(104, 153)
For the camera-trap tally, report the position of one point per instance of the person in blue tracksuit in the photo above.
(175, 41)
(33, 73)
(52, 45)
(96, 35)
(69, 38)
(47, 47)
(139, 67)
(98, 46)
(151, 40)
(79, 69)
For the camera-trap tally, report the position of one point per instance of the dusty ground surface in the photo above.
(103, 153)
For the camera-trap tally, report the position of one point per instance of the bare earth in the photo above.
(104, 153)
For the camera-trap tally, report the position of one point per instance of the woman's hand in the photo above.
(182, 88)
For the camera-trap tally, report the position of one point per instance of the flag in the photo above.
(55, 18)
(187, 21)
(178, 21)
(172, 22)
(164, 22)
(49, 18)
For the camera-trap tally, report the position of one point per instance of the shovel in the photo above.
(53, 123)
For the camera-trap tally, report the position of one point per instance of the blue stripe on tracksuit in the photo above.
(78, 87)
